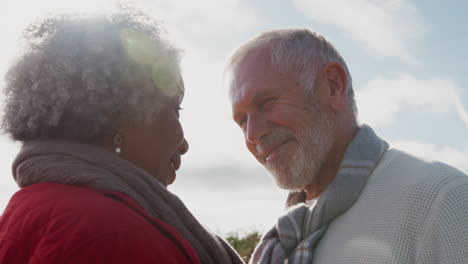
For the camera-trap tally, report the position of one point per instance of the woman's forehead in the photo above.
(176, 97)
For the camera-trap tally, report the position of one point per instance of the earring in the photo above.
(117, 142)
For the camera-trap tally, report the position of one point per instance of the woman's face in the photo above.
(157, 148)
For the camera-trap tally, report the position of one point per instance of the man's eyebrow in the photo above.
(260, 96)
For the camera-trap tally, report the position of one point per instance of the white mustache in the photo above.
(272, 139)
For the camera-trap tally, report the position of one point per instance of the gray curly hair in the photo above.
(294, 49)
(83, 76)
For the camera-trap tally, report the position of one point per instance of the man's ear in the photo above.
(336, 81)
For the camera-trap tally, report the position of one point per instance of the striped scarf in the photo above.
(297, 232)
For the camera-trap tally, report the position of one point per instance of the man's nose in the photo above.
(256, 129)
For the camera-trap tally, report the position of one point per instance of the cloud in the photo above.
(383, 27)
(449, 155)
(224, 178)
(227, 197)
(381, 100)
(462, 113)
(204, 19)
(254, 209)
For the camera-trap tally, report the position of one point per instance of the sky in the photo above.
(406, 58)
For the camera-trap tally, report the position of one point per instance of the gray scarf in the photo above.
(93, 167)
(297, 233)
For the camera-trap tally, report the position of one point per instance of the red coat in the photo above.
(57, 223)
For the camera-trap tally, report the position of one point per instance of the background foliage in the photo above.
(244, 244)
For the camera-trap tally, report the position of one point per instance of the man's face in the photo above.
(283, 127)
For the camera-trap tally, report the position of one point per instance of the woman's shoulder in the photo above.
(73, 208)
(65, 204)
(67, 221)
(51, 213)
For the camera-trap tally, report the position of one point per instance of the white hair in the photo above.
(299, 50)
(83, 76)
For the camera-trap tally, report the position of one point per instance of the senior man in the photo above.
(353, 198)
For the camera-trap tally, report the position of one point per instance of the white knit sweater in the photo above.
(411, 211)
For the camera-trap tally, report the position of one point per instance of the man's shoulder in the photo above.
(417, 168)
(413, 179)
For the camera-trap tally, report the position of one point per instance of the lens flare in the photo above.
(154, 57)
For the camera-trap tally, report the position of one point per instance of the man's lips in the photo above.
(265, 155)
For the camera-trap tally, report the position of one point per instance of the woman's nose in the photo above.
(184, 147)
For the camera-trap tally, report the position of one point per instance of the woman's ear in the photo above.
(106, 141)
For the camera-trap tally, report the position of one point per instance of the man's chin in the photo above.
(289, 187)
(286, 183)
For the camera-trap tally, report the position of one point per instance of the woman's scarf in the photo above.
(297, 233)
(89, 166)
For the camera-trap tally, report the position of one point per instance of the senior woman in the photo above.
(95, 102)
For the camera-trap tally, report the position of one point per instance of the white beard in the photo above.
(298, 170)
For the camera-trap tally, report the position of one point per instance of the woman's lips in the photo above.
(174, 166)
(175, 162)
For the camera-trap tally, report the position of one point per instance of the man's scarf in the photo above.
(297, 233)
(85, 165)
